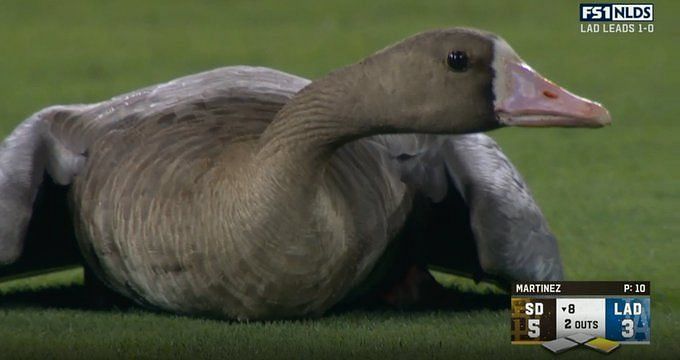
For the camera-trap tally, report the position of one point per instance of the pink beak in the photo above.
(528, 99)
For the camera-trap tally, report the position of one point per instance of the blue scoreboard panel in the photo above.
(572, 313)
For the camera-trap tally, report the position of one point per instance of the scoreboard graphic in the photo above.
(570, 313)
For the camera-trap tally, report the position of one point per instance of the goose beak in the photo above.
(525, 98)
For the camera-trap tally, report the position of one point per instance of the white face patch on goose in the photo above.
(503, 54)
(522, 97)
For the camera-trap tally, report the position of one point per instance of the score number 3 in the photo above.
(627, 326)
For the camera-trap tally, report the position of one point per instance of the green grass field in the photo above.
(611, 195)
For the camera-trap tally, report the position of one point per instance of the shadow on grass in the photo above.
(75, 296)
(81, 297)
(455, 301)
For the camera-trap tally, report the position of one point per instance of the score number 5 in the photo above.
(533, 325)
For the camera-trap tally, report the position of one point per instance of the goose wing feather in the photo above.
(510, 233)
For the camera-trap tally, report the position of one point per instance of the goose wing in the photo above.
(41, 157)
(481, 218)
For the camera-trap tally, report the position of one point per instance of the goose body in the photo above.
(249, 193)
(328, 243)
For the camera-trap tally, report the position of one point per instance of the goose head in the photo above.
(463, 80)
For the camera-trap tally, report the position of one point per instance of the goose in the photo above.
(251, 194)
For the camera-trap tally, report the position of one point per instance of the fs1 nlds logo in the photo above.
(616, 18)
(617, 12)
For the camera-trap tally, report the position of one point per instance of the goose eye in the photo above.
(457, 60)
